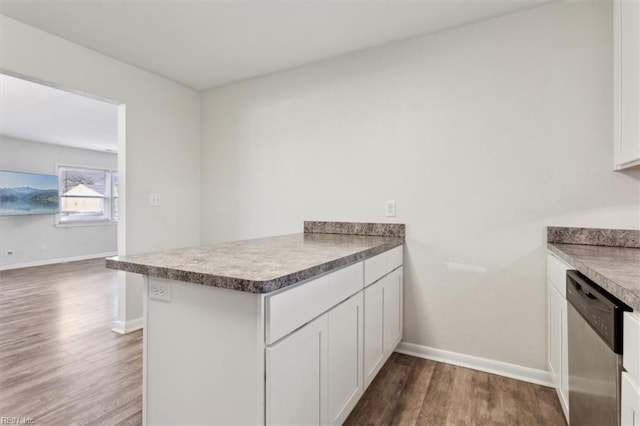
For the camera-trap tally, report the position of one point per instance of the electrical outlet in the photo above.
(44, 247)
(390, 208)
(160, 290)
(10, 252)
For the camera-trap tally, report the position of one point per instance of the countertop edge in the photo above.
(355, 228)
(626, 296)
(250, 286)
(629, 238)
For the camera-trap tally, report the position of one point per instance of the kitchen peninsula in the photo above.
(280, 330)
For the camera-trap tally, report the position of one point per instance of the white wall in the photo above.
(483, 135)
(26, 234)
(162, 148)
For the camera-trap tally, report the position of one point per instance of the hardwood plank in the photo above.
(408, 407)
(438, 401)
(424, 392)
(60, 363)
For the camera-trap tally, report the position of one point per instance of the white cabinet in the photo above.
(392, 315)
(345, 340)
(557, 342)
(631, 342)
(383, 322)
(373, 330)
(314, 375)
(630, 402)
(626, 84)
(630, 388)
(291, 357)
(554, 337)
(377, 266)
(289, 309)
(295, 374)
(317, 371)
(564, 362)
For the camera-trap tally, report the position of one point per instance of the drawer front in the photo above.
(378, 266)
(345, 283)
(294, 307)
(557, 273)
(631, 345)
(374, 268)
(394, 258)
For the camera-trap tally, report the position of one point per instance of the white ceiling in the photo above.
(43, 114)
(203, 44)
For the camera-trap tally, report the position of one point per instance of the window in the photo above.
(87, 195)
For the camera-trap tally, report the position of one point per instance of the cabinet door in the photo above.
(554, 355)
(564, 357)
(373, 331)
(382, 322)
(392, 317)
(345, 342)
(557, 344)
(631, 345)
(627, 84)
(630, 402)
(296, 369)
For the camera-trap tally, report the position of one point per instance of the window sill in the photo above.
(80, 224)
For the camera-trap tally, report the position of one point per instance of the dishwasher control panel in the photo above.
(601, 310)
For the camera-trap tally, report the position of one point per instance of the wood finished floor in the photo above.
(60, 364)
(415, 391)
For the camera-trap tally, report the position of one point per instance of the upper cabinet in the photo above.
(626, 84)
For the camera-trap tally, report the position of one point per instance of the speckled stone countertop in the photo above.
(261, 265)
(614, 266)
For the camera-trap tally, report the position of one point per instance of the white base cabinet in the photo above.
(630, 389)
(630, 404)
(554, 338)
(345, 384)
(383, 322)
(296, 370)
(373, 326)
(557, 342)
(293, 357)
(314, 375)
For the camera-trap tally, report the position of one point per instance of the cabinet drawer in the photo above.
(345, 282)
(557, 273)
(294, 307)
(631, 342)
(378, 266)
(394, 258)
(374, 268)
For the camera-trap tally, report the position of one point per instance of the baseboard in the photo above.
(124, 327)
(519, 372)
(53, 261)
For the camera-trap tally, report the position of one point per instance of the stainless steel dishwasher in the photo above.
(595, 352)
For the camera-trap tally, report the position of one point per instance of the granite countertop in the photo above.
(261, 265)
(615, 266)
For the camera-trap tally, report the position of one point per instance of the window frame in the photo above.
(108, 198)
